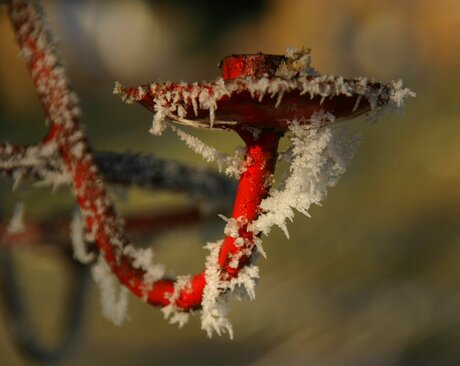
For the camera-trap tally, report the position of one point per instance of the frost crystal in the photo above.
(320, 156)
(79, 246)
(218, 293)
(158, 124)
(171, 311)
(143, 259)
(214, 305)
(397, 96)
(232, 227)
(16, 224)
(114, 307)
(231, 165)
(298, 63)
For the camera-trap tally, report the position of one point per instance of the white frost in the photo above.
(293, 75)
(214, 314)
(114, 307)
(143, 259)
(218, 293)
(79, 246)
(16, 224)
(320, 156)
(171, 311)
(231, 165)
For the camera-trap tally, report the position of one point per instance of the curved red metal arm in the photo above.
(253, 187)
(68, 139)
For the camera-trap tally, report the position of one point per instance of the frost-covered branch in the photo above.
(150, 172)
(127, 169)
(38, 162)
(132, 266)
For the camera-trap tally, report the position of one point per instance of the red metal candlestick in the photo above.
(258, 96)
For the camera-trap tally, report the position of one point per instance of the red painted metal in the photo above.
(244, 106)
(253, 187)
(98, 211)
(255, 66)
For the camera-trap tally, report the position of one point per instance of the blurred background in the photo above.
(373, 278)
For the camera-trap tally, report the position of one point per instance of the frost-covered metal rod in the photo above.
(239, 244)
(254, 185)
(68, 138)
(125, 169)
(260, 97)
(66, 134)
